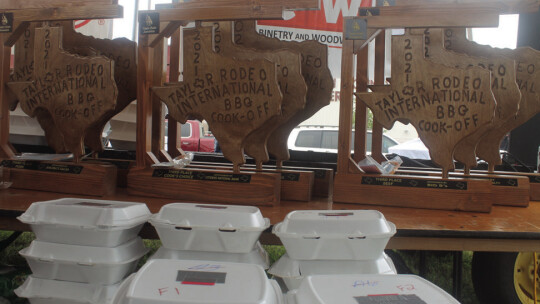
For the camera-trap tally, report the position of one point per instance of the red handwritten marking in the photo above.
(162, 290)
(85, 22)
(406, 287)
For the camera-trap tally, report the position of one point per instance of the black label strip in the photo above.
(202, 176)
(40, 166)
(414, 183)
(293, 177)
(390, 299)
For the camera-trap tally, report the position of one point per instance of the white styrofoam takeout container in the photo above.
(183, 282)
(43, 291)
(86, 222)
(361, 289)
(206, 227)
(335, 234)
(257, 256)
(85, 264)
(293, 272)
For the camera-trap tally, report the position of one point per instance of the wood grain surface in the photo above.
(314, 69)
(422, 93)
(235, 97)
(121, 50)
(418, 228)
(528, 79)
(504, 87)
(75, 90)
(290, 79)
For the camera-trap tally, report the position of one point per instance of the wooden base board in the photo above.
(203, 185)
(415, 192)
(506, 190)
(534, 179)
(95, 179)
(295, 185)
(122, 167)
(322, 184)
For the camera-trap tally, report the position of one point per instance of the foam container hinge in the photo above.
(292, 272)
(365, 289)
(257, 256)
(43, 291)
(182, 282)
(86, 222)
(85, 264)
(206, 227)
(317, 234)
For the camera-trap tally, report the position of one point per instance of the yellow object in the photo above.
(527, 278)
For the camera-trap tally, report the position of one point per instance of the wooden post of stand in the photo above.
(6, 151)
(345, 164)
(144, 104)
(160, 62)
(377, 132)
(174, 128)
(360, 121)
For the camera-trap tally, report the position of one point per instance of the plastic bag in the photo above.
(178, 162)
(369, 165)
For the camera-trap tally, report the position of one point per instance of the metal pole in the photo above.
(135, 19)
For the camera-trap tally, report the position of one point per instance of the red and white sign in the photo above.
(328, 18)
(99, 28)
(324, 25)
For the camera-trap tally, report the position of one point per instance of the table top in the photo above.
(501, 223)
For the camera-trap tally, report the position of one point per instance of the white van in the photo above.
(319, 143)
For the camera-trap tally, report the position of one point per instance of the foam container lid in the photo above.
(368, 289)
(54, 252)
(86, 213)
(53, 291)
(257, 256)
(173, 281)
(286, 267)
(188, 215)
(368, 223)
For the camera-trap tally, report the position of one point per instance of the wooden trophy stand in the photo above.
(506, 190)
(527, 79)
(64, 177)
(444, 192)
(193, 184)
(511, 191)
(323, 180)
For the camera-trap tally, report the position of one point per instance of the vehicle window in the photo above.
(387, 143)
(186, 130)
(309, 139)
(329, 139)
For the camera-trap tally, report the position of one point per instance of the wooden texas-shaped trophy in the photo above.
(528, 80)
(290, 80)
(423, 93)
(316, 74)
(121, 50)
(504, 87)
(234, 96)
(76, 91)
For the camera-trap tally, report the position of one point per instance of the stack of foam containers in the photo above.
(320, 242)
(162, 281)
(211, 232)
(83, 250)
